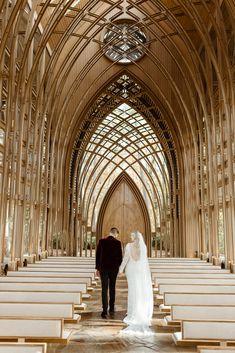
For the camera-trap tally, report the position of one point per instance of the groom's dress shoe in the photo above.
(104, 315)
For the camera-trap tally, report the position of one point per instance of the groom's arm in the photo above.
(98, 257)
(120, 253)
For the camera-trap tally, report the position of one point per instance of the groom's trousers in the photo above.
(108, 280)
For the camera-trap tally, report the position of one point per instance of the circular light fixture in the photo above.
(124, 42)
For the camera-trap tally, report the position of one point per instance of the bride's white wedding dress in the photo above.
(140, 291)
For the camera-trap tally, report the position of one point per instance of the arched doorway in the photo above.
(124, 207)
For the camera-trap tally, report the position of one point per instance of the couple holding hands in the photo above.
(109, 264)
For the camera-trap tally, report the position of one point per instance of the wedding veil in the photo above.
(140, 244)
(140, 295)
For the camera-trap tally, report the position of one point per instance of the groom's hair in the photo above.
(114, 230)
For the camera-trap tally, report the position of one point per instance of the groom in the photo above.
(108, 260)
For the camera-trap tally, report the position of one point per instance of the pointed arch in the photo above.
(125, 178)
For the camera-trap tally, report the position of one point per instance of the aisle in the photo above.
(96, 335)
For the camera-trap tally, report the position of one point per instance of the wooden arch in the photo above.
(124, 177)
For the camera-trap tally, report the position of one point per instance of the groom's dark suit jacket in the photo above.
(108, 254)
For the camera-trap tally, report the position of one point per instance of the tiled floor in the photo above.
(95, 335)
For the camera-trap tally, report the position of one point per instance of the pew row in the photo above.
(52, 274)
(169, 271)
(175, 259)
(195, 288)
(206, 299)
(42, 297)
(57, 269)
(179, 266)
(62, 265)
(37, 279)
(12, 347)
(195, 281)
(33, 329)
(68, 258)
(196, 275)
(221, 349)
(200, 312)
(44, 286)
(43, 310)
(205, 332)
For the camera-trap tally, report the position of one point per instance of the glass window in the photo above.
(124, 42)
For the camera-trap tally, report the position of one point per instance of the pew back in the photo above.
(34, 310)
(62, 265)
(199, 299)
(207, 349)
(11, 347)
(194, 281)
(56, 269)
(51, 274)
(195, 288)
(30, 279)
(203, 312)
(42, 328)
(43, 286)
(208, 330)
(41, 297)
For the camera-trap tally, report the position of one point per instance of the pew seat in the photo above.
(30, 279)
(52, 274)
(194, 281)
(62, 265)
(13, 347)
(205, 332)
(221, 349)
(33, 329)
(200, 299)
(195, 288)
(45, 310)
(42, 297)
(44, 286)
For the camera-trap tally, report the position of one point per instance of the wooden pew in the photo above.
(52, 274)
(28, 279)
(175, 259)
(13, 347)
(217, 299)
(221, 349)
(195, 281)
(200, 312)
(196, 275)
(69, 258)
(62, 265)
(186, 269)
(196, 265)
(155, 272)
(44, 286)
(43, 310)
(205, 332)
(75, 260)
(195, 288)
(36, 329)
(56, 269)
(42, 297)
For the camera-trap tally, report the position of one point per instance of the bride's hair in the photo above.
(137, 236)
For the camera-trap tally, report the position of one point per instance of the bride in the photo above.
(140, 292)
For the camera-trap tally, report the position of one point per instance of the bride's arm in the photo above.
(125, 259)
